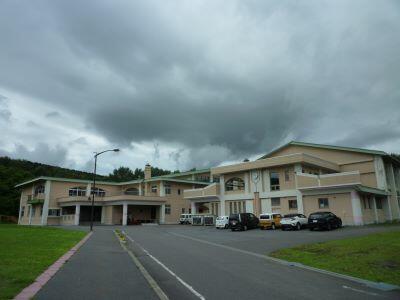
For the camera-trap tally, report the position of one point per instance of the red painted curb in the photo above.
(30, 291)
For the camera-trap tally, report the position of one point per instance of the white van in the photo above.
(222, 222)
(185, 219)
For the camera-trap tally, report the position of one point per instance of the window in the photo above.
(179, 191)
(39, 190)
(54, 212)
(154, 188)
(366, 202)
(379, 204)
(292, 204)
(323, 202)
(167, 188)
(98, 192)
(276, 201)
(274, 181)
(33, 211)
(234, 184)
(287, 175)
(69, 210)
(167, 209)
(183, 210)
(77, 191)
(132, 191)
(22, 211)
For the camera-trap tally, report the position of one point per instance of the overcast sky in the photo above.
(183, 84)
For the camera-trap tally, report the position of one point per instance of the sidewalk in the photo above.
(101, 269)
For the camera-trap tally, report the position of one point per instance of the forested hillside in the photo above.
(14, 171)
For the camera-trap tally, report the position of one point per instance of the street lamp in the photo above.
(94, 183)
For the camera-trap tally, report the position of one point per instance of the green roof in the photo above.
(169, 177)
(331, 147)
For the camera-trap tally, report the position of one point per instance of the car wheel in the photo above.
(283, 228)
(226, 226)
(298, 226)
(245, 228)
(311, 229)
(329, 227)
(340, 224)
(273, 226)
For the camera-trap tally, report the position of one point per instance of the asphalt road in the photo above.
(189, 262)
(220, 264)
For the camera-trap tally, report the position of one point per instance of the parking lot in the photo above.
(224, 264)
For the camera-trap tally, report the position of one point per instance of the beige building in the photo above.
(361, 186)
(62, 201)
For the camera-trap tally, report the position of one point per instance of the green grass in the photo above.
(25, 252)
(374, 257)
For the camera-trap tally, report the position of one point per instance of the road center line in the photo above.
(189, 287)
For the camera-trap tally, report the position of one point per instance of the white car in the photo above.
(294, 221)
(185, 219)
(222, 222)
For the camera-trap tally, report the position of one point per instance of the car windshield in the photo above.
(234, 217)
(183, 216)
(220, 218)
(264, 217)
(290, 215)
(318, 215)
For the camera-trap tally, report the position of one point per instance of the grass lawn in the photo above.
(374, 257)
(25, 252)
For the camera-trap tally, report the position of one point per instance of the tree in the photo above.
(122, 174)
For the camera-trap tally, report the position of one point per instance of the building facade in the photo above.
(63, 201)
(361, 186)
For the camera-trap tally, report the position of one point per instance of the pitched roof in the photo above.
(323, 146)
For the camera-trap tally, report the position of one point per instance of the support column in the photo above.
(356, 206)
(30, 214)
(20, 209)
(162, 214)
(125, 214)
(375, 209)
(300, 205)
(256, 204)
(103, 214)
(88, 189)
(45, 210)
(222, 207)
(162, 189)
(193, 208)
(77, 214)
(246, 183)
(140, 190)
(388, 209)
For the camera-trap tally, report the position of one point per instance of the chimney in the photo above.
(147, 171)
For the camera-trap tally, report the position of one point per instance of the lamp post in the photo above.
(94, 183)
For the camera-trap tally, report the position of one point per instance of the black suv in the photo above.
(324, 220)
(243, 221)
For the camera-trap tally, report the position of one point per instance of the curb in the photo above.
(30, 291)
(152, 283)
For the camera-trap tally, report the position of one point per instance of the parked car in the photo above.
(222, 222)
(270, 220)
(243, 221)
(324, 220)
(185, 219)
(294, 221)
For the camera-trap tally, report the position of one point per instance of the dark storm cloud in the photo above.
(221, 80)
(53, 114)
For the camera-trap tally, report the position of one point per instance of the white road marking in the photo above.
(189, 287)
(360, 291)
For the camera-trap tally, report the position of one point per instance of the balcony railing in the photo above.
(211, 190)
(35, 199)
(328, 180)
(109, 197)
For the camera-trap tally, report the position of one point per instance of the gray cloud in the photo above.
(53, 114)
(222, 81)
(41, 153)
